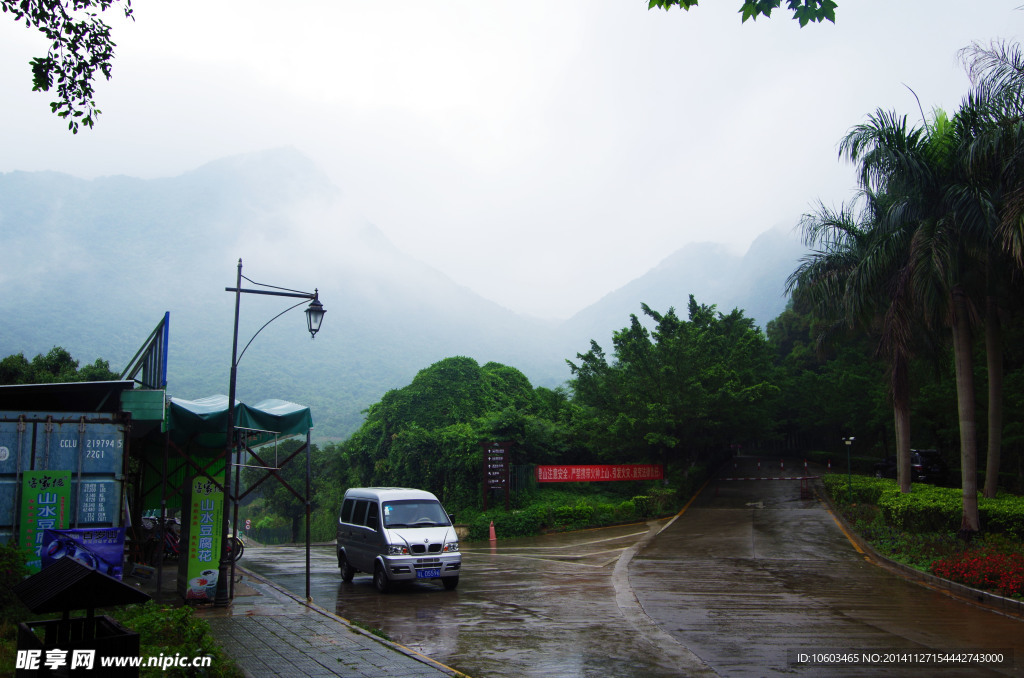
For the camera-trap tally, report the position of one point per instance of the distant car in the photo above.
(926, 466)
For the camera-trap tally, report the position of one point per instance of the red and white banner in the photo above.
(599, 473)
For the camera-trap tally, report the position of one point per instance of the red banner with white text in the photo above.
(599, 473)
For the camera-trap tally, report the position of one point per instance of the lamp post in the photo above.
(314, 317)
(849, 470)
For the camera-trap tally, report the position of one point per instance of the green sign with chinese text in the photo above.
(45, 505)
(204, 535)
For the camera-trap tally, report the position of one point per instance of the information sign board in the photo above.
(496, 467)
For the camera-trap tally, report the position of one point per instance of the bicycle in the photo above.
(171, 528)
(235, 547)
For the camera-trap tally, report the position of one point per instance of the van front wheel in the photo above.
(380, 579)
(450, 583)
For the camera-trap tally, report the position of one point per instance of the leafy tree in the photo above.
(826, 389)
(804, 11)
(678, 391)
(56, 367)
(80, 48)
(428, 434)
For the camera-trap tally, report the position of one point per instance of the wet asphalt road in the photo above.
(529, 607)
(750, 576)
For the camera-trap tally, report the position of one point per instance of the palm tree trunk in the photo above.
(994, 353)
(901, 411)
(965, 405)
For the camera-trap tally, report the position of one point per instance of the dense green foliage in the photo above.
(927, 508)
(12, 570)
(56, 367)
(167, 631)
(429, 434)
(919, 529)
(679, 392)
(933, 242)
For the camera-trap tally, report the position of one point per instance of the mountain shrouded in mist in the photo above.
(93, 264)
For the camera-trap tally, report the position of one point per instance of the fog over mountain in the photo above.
(93, 264)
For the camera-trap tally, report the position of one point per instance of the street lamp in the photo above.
(314, 317)
(849, 470)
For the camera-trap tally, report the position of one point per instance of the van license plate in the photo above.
(432, 573)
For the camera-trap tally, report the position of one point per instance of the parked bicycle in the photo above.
(172, 540)
(152, 526)
(236, 547)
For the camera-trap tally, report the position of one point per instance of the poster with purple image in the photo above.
(99, 548)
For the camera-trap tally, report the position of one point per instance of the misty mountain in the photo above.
(753, 282)
(92, 265)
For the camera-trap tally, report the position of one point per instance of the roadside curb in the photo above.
(413, 654)
(985, 599)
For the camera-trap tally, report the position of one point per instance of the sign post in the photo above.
(496, 458)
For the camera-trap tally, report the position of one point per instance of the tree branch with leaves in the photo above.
(804, 11)
(80, 49)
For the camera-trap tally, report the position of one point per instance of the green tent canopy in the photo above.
(198, 428)
(204, 421)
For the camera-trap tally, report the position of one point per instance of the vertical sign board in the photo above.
(85, 449)
(45, 505)
(496, 470)
(206, 516)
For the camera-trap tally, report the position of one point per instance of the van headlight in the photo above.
(451, 546)
(396, 550)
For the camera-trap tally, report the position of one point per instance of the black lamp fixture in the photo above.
(314, 314)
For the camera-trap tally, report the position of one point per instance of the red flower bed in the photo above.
(999, 572)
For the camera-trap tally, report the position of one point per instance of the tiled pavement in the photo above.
(270, 632)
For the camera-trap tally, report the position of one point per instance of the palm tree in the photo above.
(994, 155)
(856, 277)
(918, 170)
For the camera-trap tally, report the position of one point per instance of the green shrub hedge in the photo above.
(927, 508)
(583, 506)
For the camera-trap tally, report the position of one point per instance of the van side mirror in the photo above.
(451, 518)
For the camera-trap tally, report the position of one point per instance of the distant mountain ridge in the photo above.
(93, 265)
(753, 282)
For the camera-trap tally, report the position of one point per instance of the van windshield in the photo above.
(414, 513)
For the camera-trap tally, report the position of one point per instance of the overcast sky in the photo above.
(540, 152)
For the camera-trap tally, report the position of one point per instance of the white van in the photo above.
(397, 534)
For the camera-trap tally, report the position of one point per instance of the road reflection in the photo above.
(541, 606)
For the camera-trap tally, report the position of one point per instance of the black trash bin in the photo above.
(75, 646)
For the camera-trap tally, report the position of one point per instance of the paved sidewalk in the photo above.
(271, 632)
